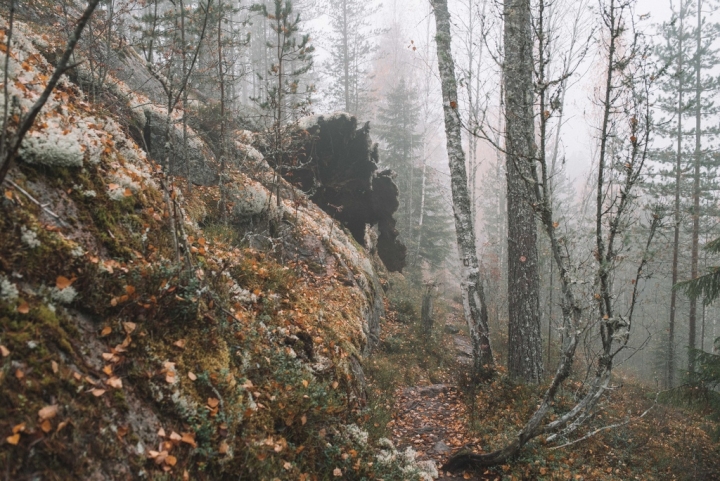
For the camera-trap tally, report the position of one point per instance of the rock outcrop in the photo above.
(224, 357)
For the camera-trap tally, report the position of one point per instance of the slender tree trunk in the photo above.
(472, 288)
(524, 340)
(692, 321)
(676, 234)
(346, 58)
(221, 80)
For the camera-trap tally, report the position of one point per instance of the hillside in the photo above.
(142, 335)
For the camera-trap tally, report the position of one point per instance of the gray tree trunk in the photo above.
(676, 234)
(473, 294)
(426, 312)
(524, 341)
(692, 321)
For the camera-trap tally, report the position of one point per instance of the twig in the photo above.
(37, 202)
(26, 123)
(611, 426)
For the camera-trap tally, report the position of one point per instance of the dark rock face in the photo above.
(337, 168)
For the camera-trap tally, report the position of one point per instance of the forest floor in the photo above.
(420, 400)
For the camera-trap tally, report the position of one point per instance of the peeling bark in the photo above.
(473, 295)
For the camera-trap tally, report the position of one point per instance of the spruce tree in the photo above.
(351, 48)
(685, 168)
(424, 220)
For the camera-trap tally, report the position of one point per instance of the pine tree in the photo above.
(524, 341)
(351, 48)
(284, 101)
(686, 171)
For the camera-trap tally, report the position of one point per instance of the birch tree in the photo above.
(473, 295)
(626, 122)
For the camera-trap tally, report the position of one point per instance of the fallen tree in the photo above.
(336, 164)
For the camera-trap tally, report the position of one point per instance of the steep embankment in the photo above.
(142, 336)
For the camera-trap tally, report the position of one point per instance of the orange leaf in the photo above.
(46, 426)
(62, 425)
(4, 351)
(223, 448)
(62, 282)
(15, 438)
(192, 376)
(23, 308)
(98, 392)
(171, 460)
(113, 186)
(180, 343)
(189, 438)
(106, 330)
(213, 402)
(130, 290)
(54, 366)
(18, 428)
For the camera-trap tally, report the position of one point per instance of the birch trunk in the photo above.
(524, 341)
(472, 289)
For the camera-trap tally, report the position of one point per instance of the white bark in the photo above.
(472, 289)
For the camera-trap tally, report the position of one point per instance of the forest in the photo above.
(351, 239)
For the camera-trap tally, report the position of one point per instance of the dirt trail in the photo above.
(433, 420)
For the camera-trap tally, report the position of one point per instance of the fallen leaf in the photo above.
(19, 374)
(62, 282)
(55, 367)
(129, 327)
(171, 460)
(18, 428)
(223, 448)
(106, 330)
(98, 392)
(213, 402)
(113, 186)
(192, 376)
(115, 382)
(303, 420)
(14, 439)
(161, 432)
(23, 308)
(189, 438)
(62, 425)
(108, 370)
(4, 351)
(337, 472)
(46, 426)
(180, 343)
(48, 412)
(305, 382)
(335, 384)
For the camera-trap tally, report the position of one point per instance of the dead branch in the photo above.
(63, 66)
